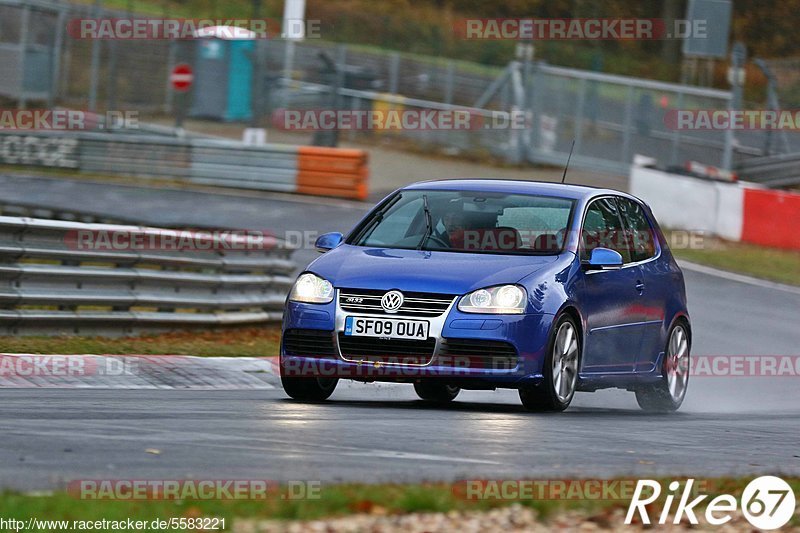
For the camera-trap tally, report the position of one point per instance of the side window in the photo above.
(640, 236)
(602, 227)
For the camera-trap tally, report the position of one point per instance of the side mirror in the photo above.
(603, 259)
(329, 241)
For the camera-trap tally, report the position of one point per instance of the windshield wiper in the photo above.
(428, 222)
(377, 218)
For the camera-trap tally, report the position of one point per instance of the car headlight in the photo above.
(503, 299)
(312, 289)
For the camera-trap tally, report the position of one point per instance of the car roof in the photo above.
(542, 188)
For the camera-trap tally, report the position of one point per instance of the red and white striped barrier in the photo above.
(734, 211)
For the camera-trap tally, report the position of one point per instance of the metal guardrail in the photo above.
(782, 170)
(220, 162)
(61, 277)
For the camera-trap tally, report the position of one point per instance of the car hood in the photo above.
(423, 271)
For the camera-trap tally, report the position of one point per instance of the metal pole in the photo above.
(738, 57)
(169, 95)
(23, 55)
(257, 83)
(63, 79)
(288, 66)
(94, 74)
(628, 125)
(579, 116)
(517, 104)
(56, 61)
(111, 97)
(527, 99)
(536, 116)
(341, 75)
(394, 72)
(676, 137)
(448, 82)
(182, 99)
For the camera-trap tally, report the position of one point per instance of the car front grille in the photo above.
(393, 351)
(309, 342)
(414, 303)
(478, 353)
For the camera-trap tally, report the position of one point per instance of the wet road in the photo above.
(728, 425)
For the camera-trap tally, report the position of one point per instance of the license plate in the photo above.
(390, 328)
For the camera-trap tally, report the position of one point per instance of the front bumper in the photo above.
(526, 333)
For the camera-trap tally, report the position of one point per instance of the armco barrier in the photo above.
(59, 277)
(332, 172)
(772, 218)
(734, 211)
(221, 162)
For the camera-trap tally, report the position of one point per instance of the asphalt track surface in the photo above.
(728, 426)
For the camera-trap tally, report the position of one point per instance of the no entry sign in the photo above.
(181, 77)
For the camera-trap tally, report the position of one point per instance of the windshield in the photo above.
(476, 222)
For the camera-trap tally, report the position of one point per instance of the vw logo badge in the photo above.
(392, 301)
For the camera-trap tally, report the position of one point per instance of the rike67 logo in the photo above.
(767, 502)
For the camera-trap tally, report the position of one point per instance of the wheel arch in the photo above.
(681, 317)
(570, 309)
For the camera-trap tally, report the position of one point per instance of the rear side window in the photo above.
(640, 236)
(603, 228)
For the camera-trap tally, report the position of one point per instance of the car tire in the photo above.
(560, 370)
(668, 393)
(309, 389)
(435, 392)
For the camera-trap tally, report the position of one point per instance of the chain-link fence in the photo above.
(610, 118)
(787, 78)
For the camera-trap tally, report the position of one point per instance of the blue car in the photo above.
(478, 284)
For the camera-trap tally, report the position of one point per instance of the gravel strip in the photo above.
(514, 518)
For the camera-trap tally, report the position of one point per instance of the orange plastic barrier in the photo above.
(771, 218)
(332, 172)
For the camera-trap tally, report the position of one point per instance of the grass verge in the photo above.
(347, 499)
(782, 266)
(229, 342)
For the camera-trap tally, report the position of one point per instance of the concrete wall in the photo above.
(734, 211)
(684, 202)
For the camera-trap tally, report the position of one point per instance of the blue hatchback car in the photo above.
(478, 284)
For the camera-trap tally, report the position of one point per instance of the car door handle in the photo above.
(639, 286)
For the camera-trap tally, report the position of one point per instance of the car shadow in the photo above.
(489, 408)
